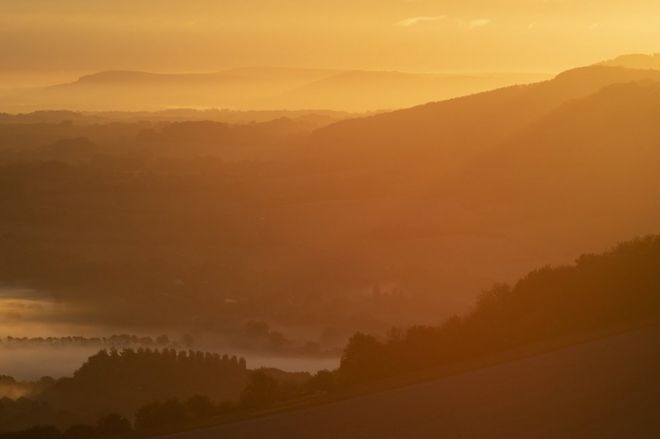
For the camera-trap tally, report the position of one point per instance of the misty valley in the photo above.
(305, 252)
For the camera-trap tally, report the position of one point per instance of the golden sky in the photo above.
(55, 37)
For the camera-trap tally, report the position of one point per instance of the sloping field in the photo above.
(609, 388)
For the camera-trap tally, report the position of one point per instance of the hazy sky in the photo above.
(45, 37)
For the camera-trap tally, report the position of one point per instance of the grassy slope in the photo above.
(588, 385)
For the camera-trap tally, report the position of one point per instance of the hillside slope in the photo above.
(585, 174)
(427, 205)
(449, 133)
(376, 90)
(601, 389)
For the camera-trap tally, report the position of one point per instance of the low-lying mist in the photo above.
(40, 336)
(36, 362)
(32, 363)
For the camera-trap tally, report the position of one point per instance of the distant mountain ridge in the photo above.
(636, 61)
(254, 88)
(268, 73)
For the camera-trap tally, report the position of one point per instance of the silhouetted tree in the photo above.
(363, 359)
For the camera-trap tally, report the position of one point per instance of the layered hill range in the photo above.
(256, 89)
(347, 225)
(507, 177)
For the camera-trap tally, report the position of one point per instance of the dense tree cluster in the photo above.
(122, 381)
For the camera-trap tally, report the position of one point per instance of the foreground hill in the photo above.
(601, 389)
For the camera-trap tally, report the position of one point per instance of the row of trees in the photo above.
(122, 381)
(113, 341)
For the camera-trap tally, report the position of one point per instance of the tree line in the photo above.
(122, 381)
(113, 341)
(614, 289)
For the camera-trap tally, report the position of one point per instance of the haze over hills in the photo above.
(320, 117)
(131, 90)
(391, 90)
(413, 207)
(255, 89)
(212, 211)
(444, 132)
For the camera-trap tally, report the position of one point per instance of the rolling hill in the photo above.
(374, 90)
(448, 133)
(399, 217)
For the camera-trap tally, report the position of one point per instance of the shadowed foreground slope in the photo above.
(602, 389)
